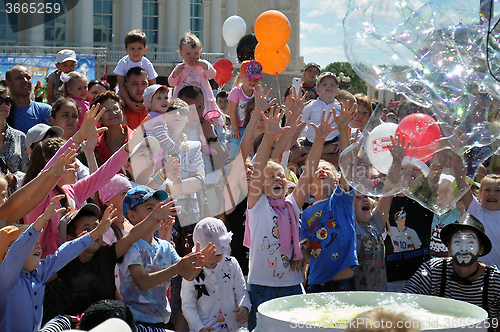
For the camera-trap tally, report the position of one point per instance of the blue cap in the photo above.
(139, 195)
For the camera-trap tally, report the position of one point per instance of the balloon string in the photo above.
(279, 90)
(221, 87)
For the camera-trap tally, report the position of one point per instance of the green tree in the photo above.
(356, 84)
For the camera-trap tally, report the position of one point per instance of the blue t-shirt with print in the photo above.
(149, 306)
(330, 225)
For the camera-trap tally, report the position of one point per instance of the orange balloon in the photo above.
(272, 30)
(273, 62)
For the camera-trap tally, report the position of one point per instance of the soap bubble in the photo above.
(443, 56)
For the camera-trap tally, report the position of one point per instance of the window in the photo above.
(150, 20)
(55, 27)
(197, 18)
(103, 19)
(8, 24)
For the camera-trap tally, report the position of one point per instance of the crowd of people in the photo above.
(174, 208)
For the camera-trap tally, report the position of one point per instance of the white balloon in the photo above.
(377, 146)
(233, 29)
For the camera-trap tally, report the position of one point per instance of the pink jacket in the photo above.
(77, 193)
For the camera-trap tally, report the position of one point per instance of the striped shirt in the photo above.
(427, 281)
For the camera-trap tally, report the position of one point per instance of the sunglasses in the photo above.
(7, 100)
(181, 111)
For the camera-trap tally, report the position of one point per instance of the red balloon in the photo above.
(423, 133)
(224, 68)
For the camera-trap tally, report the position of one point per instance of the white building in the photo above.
(94, 24)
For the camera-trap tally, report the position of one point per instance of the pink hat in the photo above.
(117, 184)
(251, 69)
(149, 93)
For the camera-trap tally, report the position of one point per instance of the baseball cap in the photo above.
(212, 230)
(65, 55)
(37, 132)
(251, 69)
(326, 74)
(71, 215)
(139, 195)
(312, 64)
(149, 93)
(149, 142)
(118, 183)
(9, 234)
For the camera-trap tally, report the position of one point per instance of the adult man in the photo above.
(25, 113)
(136, 82)
(464, 277)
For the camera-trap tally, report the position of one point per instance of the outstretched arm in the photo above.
(325, 127)
(31, 194)
(272, 129)
(342, 121)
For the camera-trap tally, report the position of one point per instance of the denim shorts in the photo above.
(260, 294)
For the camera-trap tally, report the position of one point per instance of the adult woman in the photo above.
(65, 115)
(13, 155)
(364, 112)
(117, 134)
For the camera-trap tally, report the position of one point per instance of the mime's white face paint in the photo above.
(464, 248)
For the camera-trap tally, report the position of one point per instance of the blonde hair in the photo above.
(189, 39)
(74, 77)
(382, 320)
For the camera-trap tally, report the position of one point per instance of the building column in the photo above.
(35, 36)
(116, 9)
(161, 27)
(231, 9)
(171, 25)
(125, 6)
(135, 15)
(184, 22)
(207, 40)
(86, 27)
(216, 26)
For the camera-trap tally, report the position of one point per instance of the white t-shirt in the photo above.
(125, 64)
(268, 265)
(491, 223)
(313, 113)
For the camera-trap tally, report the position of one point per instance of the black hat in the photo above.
(466, 222)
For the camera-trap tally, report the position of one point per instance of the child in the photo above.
(75, 87)
(152, 262)
(140, 165)
(327, 89)
(327, 230)
(272, 230)
(135, 46)
(223, 302)
(94, 88)
(249, 76)
(486, 207)
(157, 103)
(310, 73)
(91, 276)
(24, 273)
(65, 63)
(193, 71)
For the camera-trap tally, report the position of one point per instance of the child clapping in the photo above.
(216, 300)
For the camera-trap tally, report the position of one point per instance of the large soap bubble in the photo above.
(444, 57)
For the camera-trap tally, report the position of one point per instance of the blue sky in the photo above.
(321, 32)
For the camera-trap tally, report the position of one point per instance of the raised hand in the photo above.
(208, 252)
(172, 168)
(398, 148)
(50, 212)
(89, 124)
(164, 211)
(326, 125)
(108, 218)
(64, 163)
(262, 101)
(272, 122)
(90, 143)
(345, 116)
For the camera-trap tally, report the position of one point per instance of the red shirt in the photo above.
(102, 148)
(134, 119)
